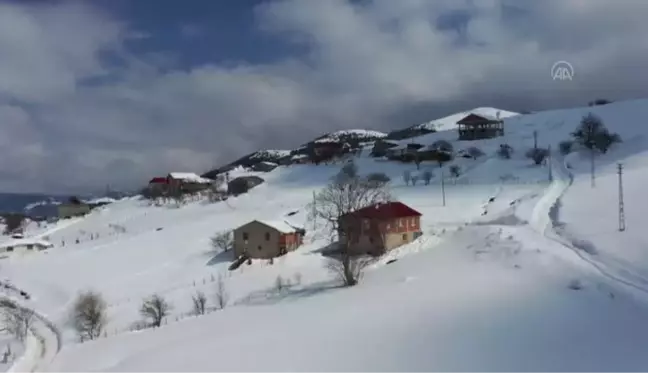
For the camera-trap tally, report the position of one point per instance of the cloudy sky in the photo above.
(117, 91)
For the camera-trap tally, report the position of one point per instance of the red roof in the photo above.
(388, 210)
(158, 180)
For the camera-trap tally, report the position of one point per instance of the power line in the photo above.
(622, 225)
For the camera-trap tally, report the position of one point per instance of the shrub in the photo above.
(565, 147)
(474, 152)
(378, 178)
(455, 171)
(443, 146)
(505, 151)
(538, 155)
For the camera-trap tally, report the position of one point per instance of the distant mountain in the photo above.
(31, 204)
(446, 123)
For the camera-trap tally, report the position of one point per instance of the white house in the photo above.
(25, 245)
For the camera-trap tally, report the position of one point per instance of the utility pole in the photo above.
(443, 187)
(622, 225)
(550, 164)
(592, 168)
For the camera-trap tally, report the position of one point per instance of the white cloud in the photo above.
(77, 121)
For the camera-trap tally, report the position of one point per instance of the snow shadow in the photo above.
(275, 295)
(222, 257)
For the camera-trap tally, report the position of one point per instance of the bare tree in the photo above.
(155, 309)
(88, 315)
(415, 179)
(407, 176)
(221, 297)
(427, 176)
(17, 320)
(348, 274)
(199, 301)
(217, 189)
(342, 196)
(222, 241)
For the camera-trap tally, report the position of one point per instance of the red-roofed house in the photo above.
(380, 228)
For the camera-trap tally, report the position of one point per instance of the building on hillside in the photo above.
(379, 228)
(404, 152)
(261, 239)
(478, 127)
(73, 208)
(23, 245)
(187, 182)
(381, 147)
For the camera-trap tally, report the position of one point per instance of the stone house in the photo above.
(379, 228)
(262, 239)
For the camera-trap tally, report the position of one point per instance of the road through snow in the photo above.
(543, 222)
(42, 345)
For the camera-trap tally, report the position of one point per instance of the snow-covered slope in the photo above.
(487, 286)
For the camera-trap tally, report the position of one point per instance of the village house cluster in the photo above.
(372, 230)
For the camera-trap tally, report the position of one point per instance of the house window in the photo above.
(9, 249)
(245, 236)
(404, 236)
(267, 236)
(388, 225)
(401, 223)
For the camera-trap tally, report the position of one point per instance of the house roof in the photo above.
(478, 118)
(388, 210)
(280, 225)
(158, 180)
(189, 177)
(25, 242)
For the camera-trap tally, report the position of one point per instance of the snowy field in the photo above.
(487, 287)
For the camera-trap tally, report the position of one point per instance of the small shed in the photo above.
(479, 127)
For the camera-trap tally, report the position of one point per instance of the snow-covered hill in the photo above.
(489, 286)
(450, 122)
(353, 134)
